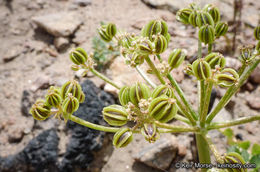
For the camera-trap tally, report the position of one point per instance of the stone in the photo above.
(111, 89)
(42, 82)
(12, 53)
(160, 154)
(233, 63)
(82, 3)
(253, 102)
(61, 43)
(255, 76)
(15, 134)
(60, 24)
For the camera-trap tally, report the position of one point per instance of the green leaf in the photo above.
(255, 160)
(245, 155)
(228, 133)
(233, 148)
(256, 149)
(244, 145)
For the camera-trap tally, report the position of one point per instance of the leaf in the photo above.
(244, 145)
(233, 148)
(228, 133)
(256, 149)
(255, 160)
(245, 155)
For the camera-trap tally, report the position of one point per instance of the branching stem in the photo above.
(145, 77)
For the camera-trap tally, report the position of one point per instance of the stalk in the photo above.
(175, 128)
(145, 77)
(205, 108)
(203, 150)
(183, 119)
(157, 73)
(213, 149)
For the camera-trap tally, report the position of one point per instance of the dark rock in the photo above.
(82, 3)
(26, 102)
(239, 136)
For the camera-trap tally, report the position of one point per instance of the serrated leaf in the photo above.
(244, 145)
(256, 149)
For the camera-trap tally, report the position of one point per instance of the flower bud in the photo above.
(213, 11)
(115, 115)
(221, 29)
(82, 97)
(78, 56)
(160, 44)
(227, 77)
(204, 18)
(257, 32)
(215, 59)
(162, 90)
(163, 109)
(124, 96)
(150, 132)
(176, 58)
(192, 19)
(122, 137)
(145, 47)
(183, 15)
(201, 69)
(111, 29)
(70, 104)
(40, 110)
(139, 91)
(235, 158)
(207, 34)
(246, 54)
(153, 28)
(72, 87)
(53, 97)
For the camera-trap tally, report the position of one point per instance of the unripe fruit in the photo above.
(160, 44)
(215, 59)
(70, 104)
(72, 87)
(145, 47)
(150, 132)
(204, 18)
(213, 11)
(257, 32)
(207, 34)
(227, 77)
(221, 29)
(122, 137)
(78, 56)
(201, 69)
(40, 110)
(246, 54)
(176, 58)
(111, 29)
(107, 32)
(163, 90)
(104, 35)
(183, 15)
(192, 19)
(235, 158)
(115, 115)
(163, 109)
(82, 97)
(154, 28)
(124, 95)
(139, 91)
(53, 97)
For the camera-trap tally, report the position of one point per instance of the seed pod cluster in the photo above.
(70, 104)
(150, 132)
(227, 77)
(246, 54)
(201, 69)
(53, 97)
(207, 34)
(163, 90)
(213, 11)
(183, 15)
(124, 96)
(221, 29)
(107, 32)
(154, 28)
(122, 137)
(215, 59)
(235, 158)
(72, 87)
(160, 44)
(139, 91)
(176, 57)
(145, 47)
(78, 56)
(40, 110)
(204, 18)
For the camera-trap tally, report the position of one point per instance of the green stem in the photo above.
(93, 126)
(145, 77)
(157, 73)
(199, 49)
(159, 57)
(203, 150)
(193, 115)
(238, 121)
(201, 96)
(182, 118)
(104, 78)
(175, 128)
(204, 113)
(214, 149)
(209, 48)
(231, 91)
(242, 69)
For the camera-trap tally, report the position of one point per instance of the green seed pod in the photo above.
(163, 109)
(111, 29)
(168, 37)
(40, 110)
(104, 35)
(227, 77)
(201, 69)
(235, 158)
(127, 41)
(204, 18)
(213, 11)
(183, 15)
(246, 54)
(160, 44)
(188, 69)
(153, 28)
(78, 56)
(145, 47)
(122, 137)
(139, 91)
(215, 59)
(163, 90)
(70, 104)
(115, 115)
(257, 32)
(150, 132)
(207, 34)
(221, 29)
(257, 47)
(72, 87)
(192, 18)
(124, 96)
(176, 58)
(53, 97)
(82, 97)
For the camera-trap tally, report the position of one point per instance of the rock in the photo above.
(82, 3)
(254, 102)
(12, 53)
(26, 102)
(160, 154)
(110, 89)
(61, 43)
(233, 63)
(255, 76)
(42, 82)
(15, 134)
(61, 24)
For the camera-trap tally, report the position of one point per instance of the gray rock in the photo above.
(253, 102)
(12, 53)
(233, 63)
(255, 76)
(61, 43)
(82, 3)
(60, 24)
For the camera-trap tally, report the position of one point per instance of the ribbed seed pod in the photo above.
(235, 158)
(213, 11)
(163, 90)
(139, 91)
(138, 59)
(183, 15)
(111, 29)
(160, 44)
(246, 54)
(257, 32)
(153, 28)
(145, 47)
(204, 18)
(163, 109)
(40, 110)
(82, 97)
(72, 87)
(192, 19)
(127, 41)
(207, 34)
(53, 97)
(122, 137)
(176, 58)
(168, 37)
(201, 69)
(115, 115)
(221, 29)
(150, 132)
(215, 59)
(227, 77)
(104, 35)
(257, 47)
(70, 104)
(188, 69)
(124, 95)
(78, 56)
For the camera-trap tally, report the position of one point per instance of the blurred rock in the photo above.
(160, 154)
(41, 82)
(255, 76)
(253, 102)
(61, 24)
(233, 63)
(110, 89)
(15, 134)
(82, 3)
(61, 43)
(12, 53)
